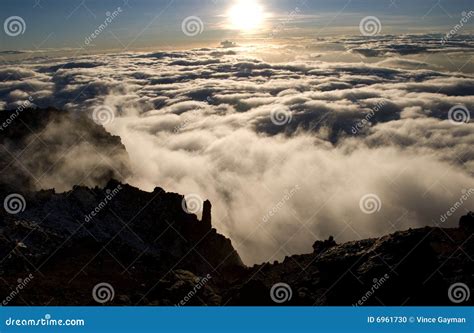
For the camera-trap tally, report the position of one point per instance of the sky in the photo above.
(65, 24)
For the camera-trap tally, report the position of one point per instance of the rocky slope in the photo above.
(412, 267)
(119, 234)
(153, 252)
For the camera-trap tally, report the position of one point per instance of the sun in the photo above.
(246, 15)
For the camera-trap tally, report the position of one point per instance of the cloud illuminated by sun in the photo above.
(246, 15)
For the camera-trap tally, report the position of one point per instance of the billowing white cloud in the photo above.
(203, 121)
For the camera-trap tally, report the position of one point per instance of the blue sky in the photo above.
(149, 23)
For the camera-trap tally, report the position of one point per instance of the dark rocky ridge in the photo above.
(48, 148)
(154, 253)
(136, 239)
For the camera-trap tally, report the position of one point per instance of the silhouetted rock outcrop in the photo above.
(321, 246)
(467, 222)
(206, 213)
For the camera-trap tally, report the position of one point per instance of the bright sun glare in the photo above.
(246, 15)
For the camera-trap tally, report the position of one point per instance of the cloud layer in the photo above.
(284, 150)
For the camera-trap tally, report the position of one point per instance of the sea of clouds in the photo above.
(285, 151)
